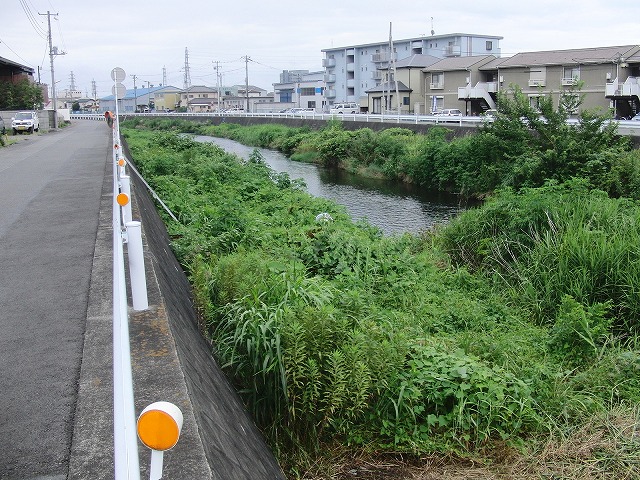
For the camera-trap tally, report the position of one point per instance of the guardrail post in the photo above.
(159, 426)
(125, 187)
(136, 266)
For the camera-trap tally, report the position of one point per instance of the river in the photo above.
(394, 207)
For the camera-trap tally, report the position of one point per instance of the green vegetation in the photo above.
(508, 336)
(22, 95)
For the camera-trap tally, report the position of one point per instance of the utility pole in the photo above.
(217, 69)
(72, 87)
(52, 53)
(164, 76)
(94, 90)
(135, 94)
(246, 81)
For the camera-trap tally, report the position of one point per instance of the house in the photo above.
(199, 98)
(239, 97)
(444, 78)
(410, 81)
(384, 98)
(166, 99)
(14, 72)
(608, 76)
(303, 90)
(352, 70)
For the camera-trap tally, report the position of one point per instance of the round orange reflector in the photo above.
(158, 430)
(122, 199)
(121, 162)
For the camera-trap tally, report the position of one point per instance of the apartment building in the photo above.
(352, 70)
(608, 79)
(304, 90)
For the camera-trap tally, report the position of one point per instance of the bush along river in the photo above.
(392, 206)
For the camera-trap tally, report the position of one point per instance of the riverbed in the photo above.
(394, 207)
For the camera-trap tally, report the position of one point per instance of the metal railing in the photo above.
(626, 128)
(126, 461)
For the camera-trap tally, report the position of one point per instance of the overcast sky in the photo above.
(143, 37)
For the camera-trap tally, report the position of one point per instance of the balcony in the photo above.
(330, 78)
(630, 88)
(328, 62)
(382, 57)
(436, 86)
(452, 51)
(567, 82)
(537, 82)
(351, 83)
(377, 75)
(351, 67)
(351, 52)
(330, 93)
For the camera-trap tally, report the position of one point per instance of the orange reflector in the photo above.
(122, 199)
(121, 162)
(158, 430)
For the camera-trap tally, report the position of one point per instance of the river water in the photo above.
(394, 207)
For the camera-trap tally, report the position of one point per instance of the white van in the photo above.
(349, 107)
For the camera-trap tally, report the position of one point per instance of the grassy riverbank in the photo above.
(504, 343)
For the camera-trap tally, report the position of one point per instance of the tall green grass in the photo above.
(493, 328)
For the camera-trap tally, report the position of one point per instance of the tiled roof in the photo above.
(459, 63)
(568, 57)
(389, 86)
(417, 60)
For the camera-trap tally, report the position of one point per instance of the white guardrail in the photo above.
(625, 127)
(158, 426)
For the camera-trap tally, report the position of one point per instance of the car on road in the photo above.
(449, 112)
(25, 122)
(636, 118)
(348, 107)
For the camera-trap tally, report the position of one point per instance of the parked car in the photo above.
(25, 122)
(449, 112)
(636, 118)
(340, 108)
(3, 129)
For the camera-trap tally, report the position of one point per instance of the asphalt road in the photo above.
(50, 189)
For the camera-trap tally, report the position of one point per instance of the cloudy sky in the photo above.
(145, 37)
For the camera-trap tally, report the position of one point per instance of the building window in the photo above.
(570, 75)
(437, 80)
(308, 91)
(489, 45)
(538, 77)
(534, 101)
(311, 104)
(405, 100)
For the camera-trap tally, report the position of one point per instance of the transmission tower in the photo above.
(164, 76)
(94, 90)
(187, 74)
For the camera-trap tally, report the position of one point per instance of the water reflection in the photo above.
(394, 207)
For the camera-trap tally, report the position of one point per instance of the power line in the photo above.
(13, 51)
(32, 20)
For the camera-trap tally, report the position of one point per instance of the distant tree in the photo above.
(75, 106)
(22, 95)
